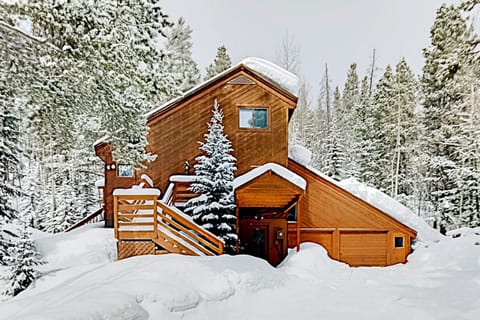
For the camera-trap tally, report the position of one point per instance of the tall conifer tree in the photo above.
(214, 209)
(221, 63)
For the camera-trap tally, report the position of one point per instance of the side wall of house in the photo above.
(350, 229)
(174, 134)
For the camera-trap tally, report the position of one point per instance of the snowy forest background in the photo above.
(73, 72)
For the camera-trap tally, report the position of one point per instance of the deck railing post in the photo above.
(155, 213)
(115, 215)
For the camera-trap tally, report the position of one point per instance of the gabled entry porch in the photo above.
(264, 197)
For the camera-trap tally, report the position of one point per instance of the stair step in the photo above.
(161, 251)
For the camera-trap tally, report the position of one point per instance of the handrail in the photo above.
(133, 214)
(86, 220)
(185, 225)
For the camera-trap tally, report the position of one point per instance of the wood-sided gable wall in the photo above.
(339, 220)
(175, 132)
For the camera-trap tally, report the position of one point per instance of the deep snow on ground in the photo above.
(82, 280)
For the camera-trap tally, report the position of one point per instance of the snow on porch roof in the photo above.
(276, 168)
(278, 76)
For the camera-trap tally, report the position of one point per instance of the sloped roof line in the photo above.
(280, 170)
(274, 74)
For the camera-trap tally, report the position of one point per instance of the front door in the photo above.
(264, 239)
(255, 241)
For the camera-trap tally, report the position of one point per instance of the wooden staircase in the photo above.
(145, 225)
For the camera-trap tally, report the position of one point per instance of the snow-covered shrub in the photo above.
(22, 259)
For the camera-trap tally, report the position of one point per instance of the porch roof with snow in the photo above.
(276, 77)
(269, 186)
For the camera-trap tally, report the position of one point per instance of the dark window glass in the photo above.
(292, 214)
(398, 242)
(260, 118)
(253, 118)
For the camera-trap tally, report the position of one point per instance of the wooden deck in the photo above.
(145, 225)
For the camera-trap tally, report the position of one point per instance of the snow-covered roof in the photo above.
(276, 168)
(100, 183)
(382, 202)
(390, 206)
(101, 140)
(137, 192)
(278, 76)
(182, 178)
(300, 154)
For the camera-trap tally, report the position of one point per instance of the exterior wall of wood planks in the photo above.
(175, 133)
(350, 229)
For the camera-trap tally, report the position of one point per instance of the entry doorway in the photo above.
(264, 238)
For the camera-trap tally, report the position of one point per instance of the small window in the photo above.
(398, 242)
(125, 170)
(253, 118)
(292, 214)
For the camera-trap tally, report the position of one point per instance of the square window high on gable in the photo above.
(254, 118)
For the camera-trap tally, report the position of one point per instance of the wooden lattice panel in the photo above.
(127, 249)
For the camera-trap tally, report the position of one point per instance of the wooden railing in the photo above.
(97, 216)
(143, 217)
(134, 216)
(186, 229)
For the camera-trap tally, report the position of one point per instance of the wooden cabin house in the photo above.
(280, 202)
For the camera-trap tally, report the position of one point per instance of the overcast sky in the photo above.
(337, 32)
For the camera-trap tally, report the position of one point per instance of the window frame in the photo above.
(125, 165)
(395, 237)
(253, 108)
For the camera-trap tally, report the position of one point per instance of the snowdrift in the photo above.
(82, 281)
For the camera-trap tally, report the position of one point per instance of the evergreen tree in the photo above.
(302, 126)
(383, 107)
(334, 163)
(347, 120)
(86, 69)
(221, 63)
(400, 132)
(214, 209)
(449, 62)
(180, 64)
(365, 133)
(22, 260)
(9, 147)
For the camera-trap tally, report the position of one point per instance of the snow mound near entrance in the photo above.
(311, 262)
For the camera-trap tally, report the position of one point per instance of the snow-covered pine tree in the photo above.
(10, 151)
(302, 130)
(445, 87)
(178, 57)
(221, 63)
(214, 208)
(22, 260)
(93, 74)
(400, 131)
(383, 106)
(347, 120)
(334, 160)
(9, 147)
(322, 124)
